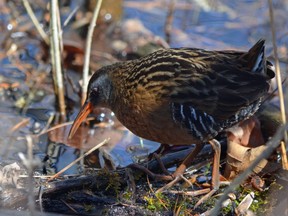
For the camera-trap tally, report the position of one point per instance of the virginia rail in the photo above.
(182, 96)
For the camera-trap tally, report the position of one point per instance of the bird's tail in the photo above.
(270, 69)
(257, 62)
(256, 57)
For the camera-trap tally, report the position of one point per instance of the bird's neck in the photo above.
(118, 89)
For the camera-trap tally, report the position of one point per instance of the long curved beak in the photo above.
(86, 109)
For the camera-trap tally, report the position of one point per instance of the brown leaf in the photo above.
(246, 133)
(245, 143)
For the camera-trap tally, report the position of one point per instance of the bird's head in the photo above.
(98, 94)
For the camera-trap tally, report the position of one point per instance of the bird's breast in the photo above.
(152, 120)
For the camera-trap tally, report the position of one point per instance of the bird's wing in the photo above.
(219, 86)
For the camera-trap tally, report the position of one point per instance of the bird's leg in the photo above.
(176, 176)
(162, 148)
(188, 160)
(215, 182)
(162, 166)
(183, 166)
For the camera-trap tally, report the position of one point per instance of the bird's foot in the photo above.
(158, 177)
(215, 183)
(178, 174)
(205, 197)
(166, 176)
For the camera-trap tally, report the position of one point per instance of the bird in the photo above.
(182, 96)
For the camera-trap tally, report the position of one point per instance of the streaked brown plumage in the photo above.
(158, 94)
(181, 96)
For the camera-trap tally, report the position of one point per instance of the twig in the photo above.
(271, 145)
(71, 15)
(279, 83)
(20, 124)
(70, 207)
(88, 50)
(60, 30)
(191, 193)
(78, 159)
(56, 58)
(54, 128)
(45, 130)
(131, 184)
(30, 167)
(187, 181)
(35, 21)
(169, 185)
(169, 21)
(48, 176)
(99, 125)
(284, 153)
(48, 123)
(40, 198)
(177, 209)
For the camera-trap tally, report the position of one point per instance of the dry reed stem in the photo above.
(279, 83)
(30, 168)
(71, 15)
(78, 159)
(35, 21)
(191, 193)
(169, 21)
(19, 125)
(56, 57)
(177, 209)
(271, 145)
(70, 207)
(46, 130)
(88, 50)
(40, 200)
(169, 185)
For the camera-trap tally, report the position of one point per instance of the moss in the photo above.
(127, 195)
(111, 181)
(259, 201)
(89, 208)
(157, 202)
(207, 169)
(226, 210)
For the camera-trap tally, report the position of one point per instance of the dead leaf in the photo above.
(245, 144)
(243, 207)
(9, 175)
